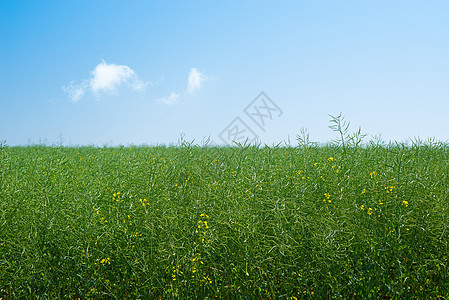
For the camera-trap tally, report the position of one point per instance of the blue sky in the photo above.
(145, 72)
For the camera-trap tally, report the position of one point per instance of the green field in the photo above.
(333, 221)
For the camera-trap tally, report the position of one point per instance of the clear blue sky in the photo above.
(143, 72)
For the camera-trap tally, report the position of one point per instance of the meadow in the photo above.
(245, 222)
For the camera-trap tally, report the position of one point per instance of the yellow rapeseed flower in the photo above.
(389, 189)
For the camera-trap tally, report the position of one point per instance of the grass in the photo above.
(335, 221)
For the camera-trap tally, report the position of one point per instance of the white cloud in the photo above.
(75, 91)
(195, 79)
(105, 78)
(193, 83)
(171, 99)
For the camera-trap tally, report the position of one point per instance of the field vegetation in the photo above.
(342, 220)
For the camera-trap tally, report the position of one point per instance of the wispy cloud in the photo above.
(194, 82)
(171, 99)
(75, 91)
(108, 78)
(105, 78)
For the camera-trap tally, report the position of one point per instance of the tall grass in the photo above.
(233, 222)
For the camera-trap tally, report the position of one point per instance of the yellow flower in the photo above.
(389, 189)
(370, 211)
(372, 174)
(207, 279)
(405, 203)
(337, 168)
